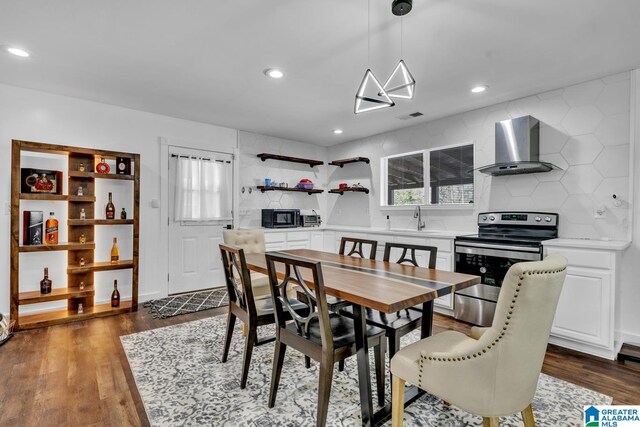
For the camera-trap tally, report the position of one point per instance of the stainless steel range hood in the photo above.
(518, 148)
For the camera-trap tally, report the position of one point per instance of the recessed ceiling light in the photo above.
(479, 88)
(274, 73)
(337, 131)
(18, 52)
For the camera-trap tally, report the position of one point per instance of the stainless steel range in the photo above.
(503, 239)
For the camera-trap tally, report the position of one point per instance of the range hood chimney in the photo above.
(518, 148)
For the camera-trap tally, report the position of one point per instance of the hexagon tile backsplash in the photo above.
(584, 130)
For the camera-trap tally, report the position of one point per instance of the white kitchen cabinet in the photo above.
(444, 262)
(583, 312)
(584, 319)
(317, 240)
(275, 241)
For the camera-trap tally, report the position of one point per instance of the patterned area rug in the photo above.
(187, 303)
(183, 383)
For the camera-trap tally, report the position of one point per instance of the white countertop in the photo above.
(615, 245)
(612, 245)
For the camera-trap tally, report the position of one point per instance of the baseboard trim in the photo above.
(606, 353)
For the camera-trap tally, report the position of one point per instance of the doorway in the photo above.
(200, 208)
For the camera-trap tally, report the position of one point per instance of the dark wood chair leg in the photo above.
(378, 352)
(231, 322)
(394, 343)
(341, 365)
(278, 360)
(246, 358)
(307, 362)
(324, 391)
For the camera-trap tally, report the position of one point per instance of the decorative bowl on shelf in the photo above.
(305, 184)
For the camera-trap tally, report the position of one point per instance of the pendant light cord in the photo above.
(401, 35)
(368, 33)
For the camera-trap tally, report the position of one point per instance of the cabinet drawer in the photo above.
(443, 245)
(274, 237)
(589, 258)
(298, 236)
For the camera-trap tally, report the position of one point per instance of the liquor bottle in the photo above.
(81, 167)
(115, 252)
(81, 261)
(110, 210)
(103, 167)
(80, 191)
(83, 214)
(115, 295)
(51, 230)
(81, 286)
(80, 308)
(123, 214)
(46, 283)
(83, 238)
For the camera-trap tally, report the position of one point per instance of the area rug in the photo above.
(183, 383)
(187, 303)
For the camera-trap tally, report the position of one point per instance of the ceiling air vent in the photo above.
(411, 116)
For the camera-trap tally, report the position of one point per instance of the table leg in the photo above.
(426, 325)
(364, 372)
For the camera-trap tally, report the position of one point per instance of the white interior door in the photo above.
(194, 256)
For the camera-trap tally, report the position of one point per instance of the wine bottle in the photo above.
(46, 283)
(115, 252)
(115, 295)
(110, 210)
(51, 230)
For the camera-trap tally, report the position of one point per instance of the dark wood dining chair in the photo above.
(396, 325)
(252, 311)
(357, 247)
(322, 335)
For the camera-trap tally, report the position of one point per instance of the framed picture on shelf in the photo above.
(40, 181)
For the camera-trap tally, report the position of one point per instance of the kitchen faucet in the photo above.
(418, 214)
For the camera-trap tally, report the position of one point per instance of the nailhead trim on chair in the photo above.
(494, 342)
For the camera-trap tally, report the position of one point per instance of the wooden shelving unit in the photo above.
(343, 162)
(341, 191)
(310, 162)
(294, 189)
(75, 250)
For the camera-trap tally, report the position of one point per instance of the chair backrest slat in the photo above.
(432, 250)
(357, 247)
(308, 276)
(237, 278)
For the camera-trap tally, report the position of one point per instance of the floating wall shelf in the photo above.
(343, 162)
(310, 162)
(298, 190)
(341, 191)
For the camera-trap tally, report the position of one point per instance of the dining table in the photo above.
(376, 285)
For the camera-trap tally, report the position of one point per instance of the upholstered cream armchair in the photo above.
(495, 371)
(252, 241)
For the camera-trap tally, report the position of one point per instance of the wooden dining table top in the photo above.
(383, 286)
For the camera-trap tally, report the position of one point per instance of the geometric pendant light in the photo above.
(372, 96)
(401, 83)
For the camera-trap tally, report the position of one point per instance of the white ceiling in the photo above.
(202, 60)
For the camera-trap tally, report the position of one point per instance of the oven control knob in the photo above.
(484, 217)
(492, 218)
(483, 270)
(538, 219)
(547, 218)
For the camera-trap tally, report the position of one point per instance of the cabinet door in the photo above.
(443, 262)
(329, 242)
(275, 246)
(299, 244)
(584, 309)
(317, 240)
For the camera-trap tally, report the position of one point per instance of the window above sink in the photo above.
(450, 182)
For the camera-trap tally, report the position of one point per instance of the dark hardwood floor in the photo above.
(77, 374)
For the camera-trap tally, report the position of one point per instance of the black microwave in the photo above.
(280, 218)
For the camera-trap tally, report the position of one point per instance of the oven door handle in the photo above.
(513, 252)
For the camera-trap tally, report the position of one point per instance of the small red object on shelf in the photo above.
(103, 167)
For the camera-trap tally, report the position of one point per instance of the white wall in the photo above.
(584, 130)
(253, 171)
(37, 116)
